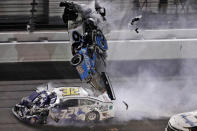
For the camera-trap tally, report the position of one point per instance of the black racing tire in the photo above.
(76, 60)
(76, 36)
(43, 117)
(92, 116)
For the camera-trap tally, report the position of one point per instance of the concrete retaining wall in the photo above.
(118, 50)
(114, 35)
(124, 45)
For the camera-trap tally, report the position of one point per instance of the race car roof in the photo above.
(64, 92)
(79, 92)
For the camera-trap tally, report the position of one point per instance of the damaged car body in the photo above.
(89, 45)
(34, 109)
(65, 104)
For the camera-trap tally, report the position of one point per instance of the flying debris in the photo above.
(100, 10)
(136, 19)
(127, 106)
(134, 22)
(89, 45)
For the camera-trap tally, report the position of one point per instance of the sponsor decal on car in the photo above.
(187, 120)
(101, 108)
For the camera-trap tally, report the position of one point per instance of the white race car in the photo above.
(64, 104)
(183, 122)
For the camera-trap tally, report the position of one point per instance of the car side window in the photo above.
(86, 102)
(69, 103)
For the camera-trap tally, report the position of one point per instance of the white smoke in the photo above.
(150, 96)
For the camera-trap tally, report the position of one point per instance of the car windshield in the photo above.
(33, 96)
(86, 102)
(69, 103)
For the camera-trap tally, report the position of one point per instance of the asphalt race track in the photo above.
(20, 79)
(12, 91)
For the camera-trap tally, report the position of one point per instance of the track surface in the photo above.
(12, 91)
(21, 71)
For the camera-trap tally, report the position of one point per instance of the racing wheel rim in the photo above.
(102, 41)
(76, 36)
(76, 60)
(92, 116)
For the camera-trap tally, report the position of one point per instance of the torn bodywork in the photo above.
(34, 109)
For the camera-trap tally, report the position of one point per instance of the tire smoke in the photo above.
(153, 95)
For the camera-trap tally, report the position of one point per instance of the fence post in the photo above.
(31, 24)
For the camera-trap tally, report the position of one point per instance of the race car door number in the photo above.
(70, 91)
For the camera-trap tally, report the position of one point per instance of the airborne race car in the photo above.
(89, 45)
(89, 61)
(183, 122)
(63, 104)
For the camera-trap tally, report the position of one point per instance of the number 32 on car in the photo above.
(70, 91)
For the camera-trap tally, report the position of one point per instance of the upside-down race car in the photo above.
(89, 48)
(89, 60)
(63, 104)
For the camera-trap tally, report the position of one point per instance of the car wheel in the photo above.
(99, 35)
(76, 60)
(76, 36)
(92, 116)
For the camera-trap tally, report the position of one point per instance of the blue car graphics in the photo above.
(85, 55)
(89, 60)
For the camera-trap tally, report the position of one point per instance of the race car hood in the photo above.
(184, 120)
